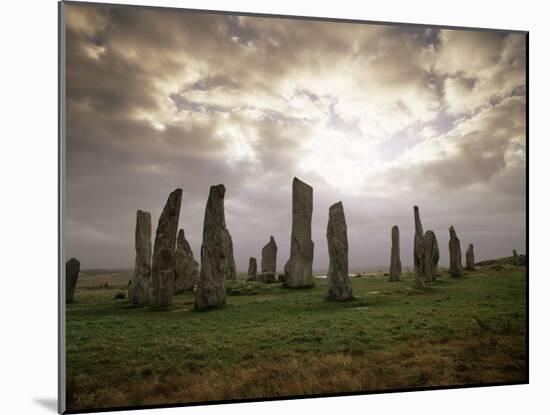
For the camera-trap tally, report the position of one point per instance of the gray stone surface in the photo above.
(516, 257)
(140, 287)
(72, 269)
(470, 258)
(252, 269)
(339, 285)
(395, 258)
(269, 262)
(269, 256)
(163, 271)
(431, 252)
(217, 262)
(299, 268)
(267, 277)
(419, 251)
(187, 268)
(232, 268)
(455, 254)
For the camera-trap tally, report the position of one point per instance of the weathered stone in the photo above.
(419, 251)
(72, 269)
(516, 257)
(140, 287)
(268, 277)
(217, 262)
(252, 269)
(395, 258)
(187, 268)
(163, 271)
(232, 268)
(339, 285)
(470, 260)
(455, 254)
(431, 252)
(269, 262)
(299, 268)
(269, 256)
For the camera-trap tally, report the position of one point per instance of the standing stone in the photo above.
(269, 262)
(232, 268)
(187, 268)
(395, 258)
(470, 260)
(217, 262)
(339, 285)
(163, 271)
(268, 278)
(515, 257)
(419, 251)
(72, 269)
(140, 287)
(299, 268)
(455, 254)
(431, 251)
(252, 269)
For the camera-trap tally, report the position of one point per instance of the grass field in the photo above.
(270, 341)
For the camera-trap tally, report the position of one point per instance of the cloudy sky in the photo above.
(379, 117)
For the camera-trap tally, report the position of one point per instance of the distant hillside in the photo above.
(104, 278)
(509, 260)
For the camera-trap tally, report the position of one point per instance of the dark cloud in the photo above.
(476, 151)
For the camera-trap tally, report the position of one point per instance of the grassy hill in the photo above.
(506, 261)
(270, 341)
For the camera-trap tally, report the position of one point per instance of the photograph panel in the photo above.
(259, 207)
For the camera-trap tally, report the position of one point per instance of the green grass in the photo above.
(272, 341)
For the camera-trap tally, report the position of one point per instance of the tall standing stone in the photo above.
(232, 268)
(299, 268)
(163, 271)
(72, 269)
(470, 259)
(269, 262)
(455, 254)
(217, 262)
(187, 268)
(339, 285)
(419, 250)
(140, 288)
(515, 257)
(395, 258)
(252, 269)
(431, 252)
